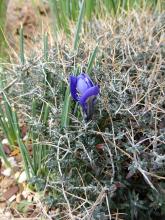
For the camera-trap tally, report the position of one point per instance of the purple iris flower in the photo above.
(84, 92)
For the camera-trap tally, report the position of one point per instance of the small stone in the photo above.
(25, 193)
(25, 137)
(5, 141)
(22, 177)
(6, 172)
(12, 198)
(12, 161)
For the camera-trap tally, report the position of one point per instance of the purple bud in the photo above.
(84, 92)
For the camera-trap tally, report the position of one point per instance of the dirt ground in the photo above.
(34, 17)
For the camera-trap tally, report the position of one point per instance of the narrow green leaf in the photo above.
(68, 9)
(39, 151)
(3, 155)
(74, 8)
(6, 121)
(66, 109)
(46, 109)
(46, 47)
(3, 45)
(47, 73)
(22, 56)
(24, 152)
(79, 25)
(111, 6)
(89, 9)
(5, 128)
(8, 113)
(55, 14)
(91, 59)
(64, 17)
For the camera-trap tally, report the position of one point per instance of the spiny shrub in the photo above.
(112, 166)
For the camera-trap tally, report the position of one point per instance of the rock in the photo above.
(12, 161)
(6, 172)
(12, 198)
(25, 193)
(22, 178)
(5, 141)
(10, 192)
(25, 138)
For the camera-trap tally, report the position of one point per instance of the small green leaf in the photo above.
(66, 109)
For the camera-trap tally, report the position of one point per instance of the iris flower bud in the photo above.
(84, 92)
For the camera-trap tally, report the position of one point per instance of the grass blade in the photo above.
(92, 59)
(8, 113)
(64, 17)
(3, 155)
(79, 25)
(3, 7)
(46, 113)
(5, 128)
(46, 48)
(90, 5)
(24, 152)
(22, 57)
(66, 109)
(111, 6)
(74, 5)
(55, 14)
(6, 121)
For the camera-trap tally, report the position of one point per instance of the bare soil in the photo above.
(34, 18)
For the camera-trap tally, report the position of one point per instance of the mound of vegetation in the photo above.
(111, 167)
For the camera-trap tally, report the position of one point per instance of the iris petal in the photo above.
(86, 79)
(81, 86)
(93, 91)
(73, 84)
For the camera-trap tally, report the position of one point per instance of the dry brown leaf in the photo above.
(10, 192)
